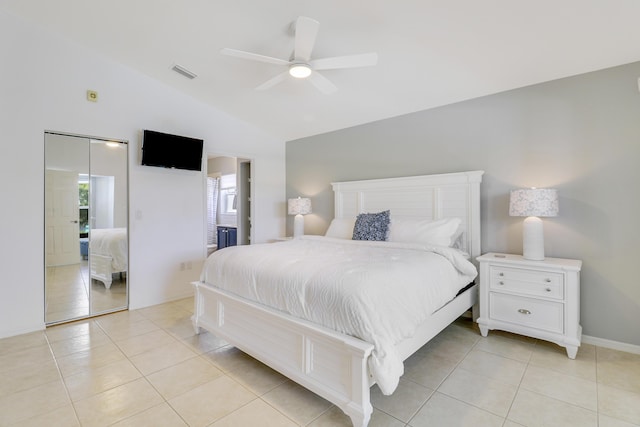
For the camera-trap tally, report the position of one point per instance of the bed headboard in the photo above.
(426, 196)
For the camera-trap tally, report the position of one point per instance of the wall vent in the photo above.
(181, 70)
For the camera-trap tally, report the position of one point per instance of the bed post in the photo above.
(197, 308)
(474, 236)
(359, 413)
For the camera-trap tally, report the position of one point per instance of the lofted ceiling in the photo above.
(431, 52)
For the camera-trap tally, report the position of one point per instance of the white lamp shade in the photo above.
(534, 202)
(299, 206)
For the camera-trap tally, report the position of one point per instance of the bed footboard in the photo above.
(101, 269)
(329, 364)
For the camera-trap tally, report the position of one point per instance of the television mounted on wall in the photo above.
(171, 151)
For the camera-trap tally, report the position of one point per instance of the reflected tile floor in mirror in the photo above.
(103, 299)
(67, 293)
(148, 368)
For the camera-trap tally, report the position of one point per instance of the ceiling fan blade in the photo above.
(349, 61)
(322, 83)
(253, 56)
(306, 32)
(273, 81)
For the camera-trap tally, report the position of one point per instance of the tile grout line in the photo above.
(100, 327)
(64, 383)
(560, 400)
(443, 381)
(111, 339)
(142, 374)
(515, 396)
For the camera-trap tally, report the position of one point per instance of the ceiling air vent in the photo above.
(181, 70)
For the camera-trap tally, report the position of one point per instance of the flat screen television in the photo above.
(171, 151)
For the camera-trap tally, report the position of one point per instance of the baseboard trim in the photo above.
(21, 331)
(614, 345)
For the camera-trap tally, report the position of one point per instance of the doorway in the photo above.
(228, 202)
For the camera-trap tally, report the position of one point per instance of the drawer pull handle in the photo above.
(547, 280)
(501, 274)
(501, 283)
(548, 289)
(524, 311)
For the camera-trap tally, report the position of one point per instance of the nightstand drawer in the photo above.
(539, 314)
(536, 283)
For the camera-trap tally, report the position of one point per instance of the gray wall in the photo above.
(580, 135)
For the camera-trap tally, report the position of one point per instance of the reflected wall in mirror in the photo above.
(86, 238)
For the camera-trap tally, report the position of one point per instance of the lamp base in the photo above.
(298, 226)
(533, 239)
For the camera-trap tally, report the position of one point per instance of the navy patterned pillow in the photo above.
(371, 226)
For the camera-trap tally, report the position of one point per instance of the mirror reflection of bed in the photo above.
(86, 192)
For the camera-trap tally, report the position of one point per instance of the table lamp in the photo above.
(299, 207)
(533, 203)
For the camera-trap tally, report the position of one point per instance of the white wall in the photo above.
(43, 81)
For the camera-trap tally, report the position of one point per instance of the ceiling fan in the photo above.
(301, 65)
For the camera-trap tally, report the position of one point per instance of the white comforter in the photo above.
(111, 242)
(379, 292)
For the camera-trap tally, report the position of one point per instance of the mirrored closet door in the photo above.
(85, 230)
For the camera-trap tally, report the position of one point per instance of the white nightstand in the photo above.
(540, 299)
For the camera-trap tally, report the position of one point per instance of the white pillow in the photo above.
(341, 228)
(441, 232)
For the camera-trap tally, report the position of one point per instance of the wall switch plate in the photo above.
(92, 96)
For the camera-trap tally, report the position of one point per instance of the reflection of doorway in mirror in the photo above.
(66, 267)
(83, 197)
(102, 202)
(62, 220)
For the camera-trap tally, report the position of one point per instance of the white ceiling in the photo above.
(431, 52)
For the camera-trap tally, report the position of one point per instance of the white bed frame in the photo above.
(326, 362)
(101, 268)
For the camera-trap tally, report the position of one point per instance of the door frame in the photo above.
(241, 225)
(126, 216)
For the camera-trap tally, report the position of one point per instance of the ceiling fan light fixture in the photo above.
(300, 71)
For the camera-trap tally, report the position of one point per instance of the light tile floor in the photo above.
(147, 368)
(71, 294)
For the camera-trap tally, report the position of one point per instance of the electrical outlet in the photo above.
(182, 266)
